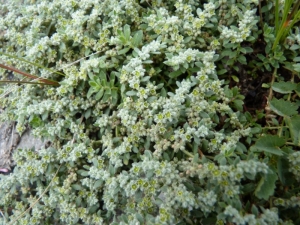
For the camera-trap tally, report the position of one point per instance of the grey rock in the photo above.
(11, 140)
(8, 140)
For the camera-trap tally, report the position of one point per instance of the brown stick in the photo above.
(50, 82)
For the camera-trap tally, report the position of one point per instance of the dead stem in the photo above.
(47, 81)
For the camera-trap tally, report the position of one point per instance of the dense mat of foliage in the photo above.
(147, 125)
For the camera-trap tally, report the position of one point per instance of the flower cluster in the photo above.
(268, 217)
(237, 35)
(294, 159)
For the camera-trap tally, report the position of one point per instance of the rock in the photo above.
(11, 140)
(8, 140)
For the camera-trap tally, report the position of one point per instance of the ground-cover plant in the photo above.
(150, 128)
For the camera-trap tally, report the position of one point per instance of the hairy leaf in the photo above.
(270, 144)
(283, 108)
(266, 186)
(137, 38)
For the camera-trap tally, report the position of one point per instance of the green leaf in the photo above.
(221, 71)
(107, 95)
(99, 94)
(264, 85)
(102, 75)
(255, 130)
(127, 32)
(296, 67)
(125, 161)
(238, 104)
(135, 149)
(187, 39)
(131, 93)
(254, 210)
(242, 59)
(78, 201)
(166, 156)
(235, 78)
(93, 208)
(76, 187)
(93, 84)
(294, 47)
(96, 70)
(261, 57)
(266, 186)
(283, 108)
(140, 218)
(296, 59)
(294, 125)
(112, 78)
(87, 51)
(114, 95)
(123, 88)
(147, 61)
(145, 79)
(122, 39)
(163, 92)
(98, 183)
(126, 158)
(123, 51)
(88, 113)
(175, 74)
(45, 116)
(83, 173)
(297, 89)
(247, 50)
(35, 121)
(148, 154)
(147, 143)
(226, 53)
(137, 38)
(90, 92)
(94, 160)
(285, 176)
(284, 87)
(270, 144)
(111, 169)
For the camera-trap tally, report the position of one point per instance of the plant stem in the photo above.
(272, 82)
(31, 63)
(22, 82)
(47, 81)
(260, 15)
(187, 153)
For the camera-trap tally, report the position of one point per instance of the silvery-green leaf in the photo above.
(137, 38)
(131, 93)
(127, 32)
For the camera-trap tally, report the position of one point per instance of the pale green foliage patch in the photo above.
(143, 130)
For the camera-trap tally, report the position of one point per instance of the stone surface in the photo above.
(8, 141)
(11, 140)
